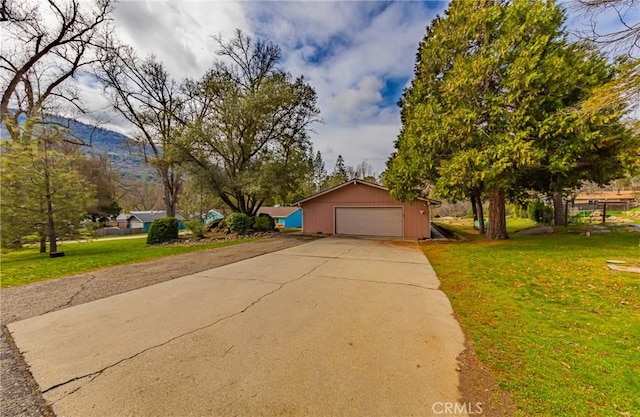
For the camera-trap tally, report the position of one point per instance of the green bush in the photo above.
(238, 222)
(196, 227)
(264, 222)
(519, 212)
(577, 219)
(540, 212)
(163, 230)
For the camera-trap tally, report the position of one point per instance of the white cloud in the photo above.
(369, 142)
(356, 54)
(178, 33)
(348, 51)
(357, 104)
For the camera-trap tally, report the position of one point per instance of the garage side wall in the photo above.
(319, 213)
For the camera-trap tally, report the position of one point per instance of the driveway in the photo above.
(335, 327)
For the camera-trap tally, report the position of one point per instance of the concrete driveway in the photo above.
(335, 327)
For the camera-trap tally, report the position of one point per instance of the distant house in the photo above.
(285, 217)
(619, 200)
(143, 219)
(120, 221)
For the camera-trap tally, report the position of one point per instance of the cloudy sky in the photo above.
(358, 55)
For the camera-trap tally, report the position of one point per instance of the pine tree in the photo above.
(319, 171)
(42, 192)
(340, 171)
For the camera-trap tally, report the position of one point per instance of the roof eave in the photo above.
(355, 182)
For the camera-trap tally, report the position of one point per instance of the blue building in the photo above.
(285, 217)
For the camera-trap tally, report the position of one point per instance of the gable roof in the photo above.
(149, 216)
(278, 212)
(356, 181)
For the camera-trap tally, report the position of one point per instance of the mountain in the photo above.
(125, 158)
(127, 161)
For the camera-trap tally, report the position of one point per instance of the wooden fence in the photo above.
(116, 231)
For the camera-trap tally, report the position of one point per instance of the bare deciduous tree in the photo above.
(139, 194)
(40, 55)
(624, 42)
(143, 93)
(626, 38)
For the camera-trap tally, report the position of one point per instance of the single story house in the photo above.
(358, 207)
(621, 200)
(285, 217)
(143, 219)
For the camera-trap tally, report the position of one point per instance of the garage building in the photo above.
(362, 208)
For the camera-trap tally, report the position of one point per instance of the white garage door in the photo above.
(369, 221)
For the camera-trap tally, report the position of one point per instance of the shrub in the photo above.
(577, 219)
(519, 211)
(238, 222)
(163, 230)
(540, 212)
(196, 227)
(264, 222)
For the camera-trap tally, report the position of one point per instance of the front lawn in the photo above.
(558, 329)
(27, 266)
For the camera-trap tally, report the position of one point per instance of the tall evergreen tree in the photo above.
(340, 170)
(487, 103)
(42, 192)
(319, 171)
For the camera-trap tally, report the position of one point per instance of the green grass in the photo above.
(27, 266)
(558, 329)
(464, 227)
(513, 224)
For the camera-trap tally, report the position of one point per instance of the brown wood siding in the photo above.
(319, 213)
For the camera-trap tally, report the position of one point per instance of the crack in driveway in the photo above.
(342, 256)
(240, 279)
(97, 373)
(379, 282)
(73, 297)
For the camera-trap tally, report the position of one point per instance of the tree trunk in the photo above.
(497, 215)
(480, 210)
(171, 184)
(558, 209)
(51, 226)
(169, 204)
(43, 243)
(474, 209)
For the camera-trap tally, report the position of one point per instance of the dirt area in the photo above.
(19, 393)
(480, 391)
